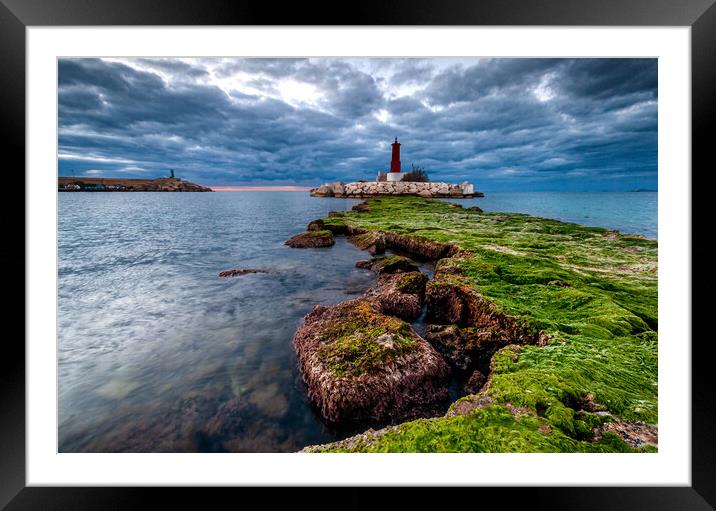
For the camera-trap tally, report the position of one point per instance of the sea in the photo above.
(157, 353)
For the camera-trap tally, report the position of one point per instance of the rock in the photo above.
(316, 225)
(412, 282)
(230, 420)
(336, 214)
(321, 191)
(474, 208)
(389, 264)
(240, 271)
(361, 208)
(461, 305)
(371, 241)
(338, 189)
(420, 247)
(361, 365)
(448, 341)
(399, 294)
(312, 239)
(637, 434)
(474, 383)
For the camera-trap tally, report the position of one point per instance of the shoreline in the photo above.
(586, 421)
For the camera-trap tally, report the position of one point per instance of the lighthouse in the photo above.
(395, 174)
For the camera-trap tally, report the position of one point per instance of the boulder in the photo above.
(321, 191)
(311, 239)
(399, 294)
(363, 366)
(316, 225)
(338, 189)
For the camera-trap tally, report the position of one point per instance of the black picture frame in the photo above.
(700, 15)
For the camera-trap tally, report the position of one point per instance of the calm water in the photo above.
(152, 343)
(630, 213)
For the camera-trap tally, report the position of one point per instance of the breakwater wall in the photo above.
(361, 189)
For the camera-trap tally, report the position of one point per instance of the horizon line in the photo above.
(271, 188)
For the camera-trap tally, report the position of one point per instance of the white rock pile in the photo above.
(362, 189)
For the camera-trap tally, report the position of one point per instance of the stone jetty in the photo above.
(364, 189)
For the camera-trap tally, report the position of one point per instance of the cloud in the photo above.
(503, 124)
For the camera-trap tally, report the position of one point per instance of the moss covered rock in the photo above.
(312, 239)
(506, 277)
(371, 241)
(362, 365)
(389, 264)
(399, 294)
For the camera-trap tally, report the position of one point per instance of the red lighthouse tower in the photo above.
(395, 162)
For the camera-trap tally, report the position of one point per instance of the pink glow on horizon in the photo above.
(284, 188)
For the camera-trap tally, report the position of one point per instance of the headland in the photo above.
(116, 184)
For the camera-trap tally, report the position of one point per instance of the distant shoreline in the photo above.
(115, 184)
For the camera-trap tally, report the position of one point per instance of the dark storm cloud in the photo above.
(518, 124)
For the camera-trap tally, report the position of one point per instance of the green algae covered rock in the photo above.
(312, 239)
(361, 365)
(564, 316)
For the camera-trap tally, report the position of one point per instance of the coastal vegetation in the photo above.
(560, 319)
(416, 174)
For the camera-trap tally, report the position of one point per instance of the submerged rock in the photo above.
(240, 271)
(362, 365)
(312, 239)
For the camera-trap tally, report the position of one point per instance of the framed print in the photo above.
(440, 246)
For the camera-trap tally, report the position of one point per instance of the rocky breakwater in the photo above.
(361, 361)
(362, 189)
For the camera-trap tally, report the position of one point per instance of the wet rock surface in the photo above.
(399, 294)
(636, 434)
(373, 242)
(312, 239)
(389, 264)
(362, 365)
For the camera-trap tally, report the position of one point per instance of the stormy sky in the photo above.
(502, 124)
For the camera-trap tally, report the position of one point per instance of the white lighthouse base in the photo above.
(395, 176)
